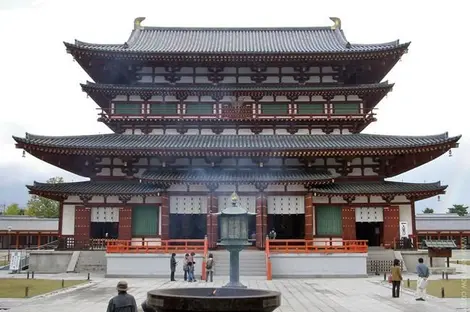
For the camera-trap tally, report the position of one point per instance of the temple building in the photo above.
(275, 114)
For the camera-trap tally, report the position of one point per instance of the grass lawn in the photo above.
(466, 262)
(454, 288)
(15, 287)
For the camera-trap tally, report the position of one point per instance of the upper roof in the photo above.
(304, 145)
(286, 40)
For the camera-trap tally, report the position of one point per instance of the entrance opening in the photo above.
(287, 226)
(187, 226)
(99, 229)
(370, 231)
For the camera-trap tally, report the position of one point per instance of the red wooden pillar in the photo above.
(125, 223)
(349, 223)
(261, 220)
(212, 221)
(82, 226)
(413, 224)
(165, 216)
(391, 225)
(308, 216)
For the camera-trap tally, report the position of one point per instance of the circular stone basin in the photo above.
(211, 300)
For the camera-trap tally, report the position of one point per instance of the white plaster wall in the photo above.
(337, 241)
(68, 220)
(405, 215)
(319, 265)
(147, 265)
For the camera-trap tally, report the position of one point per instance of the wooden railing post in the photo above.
(204, 257)
(269, 275)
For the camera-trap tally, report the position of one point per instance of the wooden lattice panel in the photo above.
(188, 204)
(247, 202)
(369, 214)
(286, 205)
(105, 214)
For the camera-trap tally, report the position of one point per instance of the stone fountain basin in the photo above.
(211, 300)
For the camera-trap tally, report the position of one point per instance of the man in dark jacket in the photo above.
(172, 267)
(123, 302)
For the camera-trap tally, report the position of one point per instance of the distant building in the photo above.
(27, 232)
(444, 226)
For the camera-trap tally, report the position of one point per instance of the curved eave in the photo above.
(102, 52)
(35, 150)
(189, 90)
(427, 191)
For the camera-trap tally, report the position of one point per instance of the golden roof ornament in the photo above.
(337, 23)
(234, 197)
(138, 22)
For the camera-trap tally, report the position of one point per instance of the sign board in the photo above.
(15, 260)
(404, 229)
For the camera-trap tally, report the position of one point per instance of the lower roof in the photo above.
(433, 222)
(251, 176)
(280, 145)
(136, 188)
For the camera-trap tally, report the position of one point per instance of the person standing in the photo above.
(396, 278)
(185, 267)
(191, 268)
(123, 302)
(210, 268)
(423, 273)
(172, 267)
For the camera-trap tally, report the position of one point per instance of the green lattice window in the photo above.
(199, 109)
(127, 109)
(164, 109)
(346, 108)
(329, 220)
(145, 220)
(310, 109)
(275, 109)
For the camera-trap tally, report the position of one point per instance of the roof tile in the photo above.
(95, 188)
(379, 188)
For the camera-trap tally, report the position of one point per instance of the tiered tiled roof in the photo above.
(231, 176)
(380, 188)
(108, 188)
(323, 43)
(237, 90)
(276, 145)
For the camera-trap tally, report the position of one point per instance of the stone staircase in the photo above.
(252, 263)
(380, 260)
(91, 261)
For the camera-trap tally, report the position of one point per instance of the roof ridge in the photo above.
(234, 28)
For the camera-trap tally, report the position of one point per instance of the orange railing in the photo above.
(269, 272)
(315, 246)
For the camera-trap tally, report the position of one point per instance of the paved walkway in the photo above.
(341, 295)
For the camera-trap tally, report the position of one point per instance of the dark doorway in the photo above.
(252, 227)
(287, 226)
(188, 226)
(369, 231)
(99, 229)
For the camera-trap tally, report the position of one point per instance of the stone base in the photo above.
(211, 300)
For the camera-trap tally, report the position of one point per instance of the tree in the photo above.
(14, 210)
(44, 207)
(428, 210)
(461, 210)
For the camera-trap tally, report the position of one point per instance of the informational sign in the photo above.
(404, 229)
(15, 260)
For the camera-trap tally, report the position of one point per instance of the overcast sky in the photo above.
(41, 92)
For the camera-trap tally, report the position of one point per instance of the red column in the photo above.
(212, 221)
(308, 216)
(165, 217)
(82, 226)
(125, 223)
(349, 223)
(261, 220)
(413, 225)
(391, 225)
